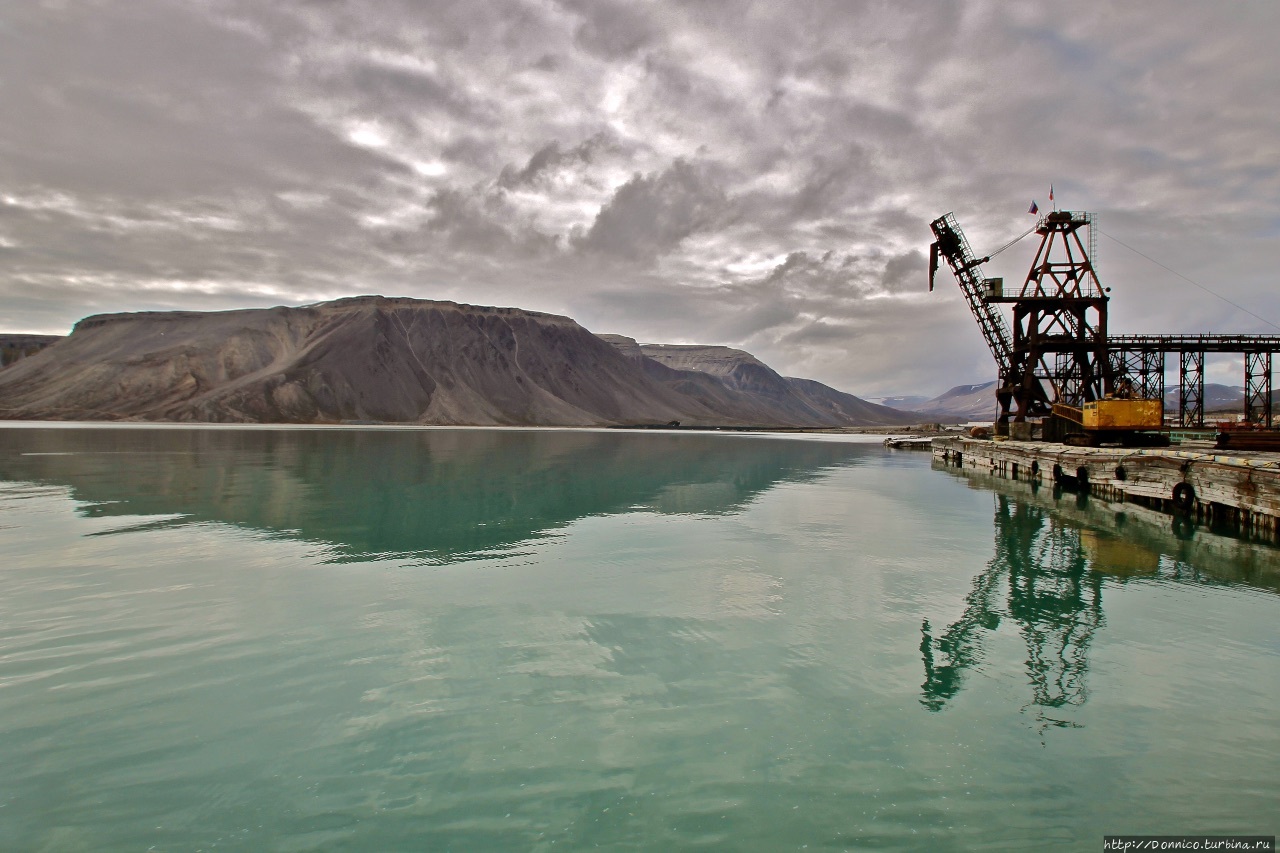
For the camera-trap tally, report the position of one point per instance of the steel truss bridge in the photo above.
(1142, 359)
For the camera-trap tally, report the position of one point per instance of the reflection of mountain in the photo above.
(434, 495)
(1052, 553)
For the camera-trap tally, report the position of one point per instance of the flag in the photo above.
(1034, 208)
(1050, 192)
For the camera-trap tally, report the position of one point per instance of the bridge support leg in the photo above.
(1152, 387)
(1257, 388)
(1191, 390)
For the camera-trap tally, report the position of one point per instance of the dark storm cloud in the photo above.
(751, 174)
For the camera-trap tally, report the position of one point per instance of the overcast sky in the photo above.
(759, 175)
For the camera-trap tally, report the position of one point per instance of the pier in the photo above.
(1240, 489)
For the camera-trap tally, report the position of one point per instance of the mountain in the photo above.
(1217, 398)
(373, 358)
(15, 347)
(840, 404)
(742, 387)
(962, 403)
(909, 402)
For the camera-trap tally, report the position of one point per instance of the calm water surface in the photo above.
(470, 640)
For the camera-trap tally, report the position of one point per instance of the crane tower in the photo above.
(1056, 351)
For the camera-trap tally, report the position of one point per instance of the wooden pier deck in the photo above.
(1239, 488)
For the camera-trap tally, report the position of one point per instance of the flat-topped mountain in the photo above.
(400, 360)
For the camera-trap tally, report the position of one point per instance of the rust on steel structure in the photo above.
(1059, 349)
(1142, 359)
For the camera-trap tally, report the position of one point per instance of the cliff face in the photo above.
(366, 358)
(17, 347)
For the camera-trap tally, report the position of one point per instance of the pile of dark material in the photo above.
(1249, 440)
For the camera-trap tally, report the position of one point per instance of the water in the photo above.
(380, 640)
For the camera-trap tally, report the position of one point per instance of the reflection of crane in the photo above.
(1050, 593)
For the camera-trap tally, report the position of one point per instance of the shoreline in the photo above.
(914, 430)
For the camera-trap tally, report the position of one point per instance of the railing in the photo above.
(1201, 343)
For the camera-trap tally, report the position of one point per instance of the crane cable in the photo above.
(1192, 281)
(1011, 242)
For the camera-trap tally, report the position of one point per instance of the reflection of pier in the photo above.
(1039, 578)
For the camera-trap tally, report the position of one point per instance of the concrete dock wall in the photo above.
(1238, 489)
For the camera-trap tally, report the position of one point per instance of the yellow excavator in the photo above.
(1119, 418)
(1132, 423)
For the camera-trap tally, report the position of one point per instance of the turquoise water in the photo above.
(380, 640)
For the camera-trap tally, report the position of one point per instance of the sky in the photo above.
(759, 175)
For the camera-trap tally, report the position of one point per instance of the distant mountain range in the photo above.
(1216, 397)
(396, 360)
(961, 403)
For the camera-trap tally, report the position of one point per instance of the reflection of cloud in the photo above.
(751, 594)
(558, 646)
(694, 498)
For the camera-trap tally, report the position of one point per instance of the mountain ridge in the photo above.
(402, 360)
(961, 402)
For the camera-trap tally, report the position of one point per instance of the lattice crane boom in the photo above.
(950, 243)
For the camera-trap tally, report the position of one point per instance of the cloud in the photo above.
(904, 272)
(651, 214)
(748, 174)
(551, 158)
(481, 223)
(612, 30)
